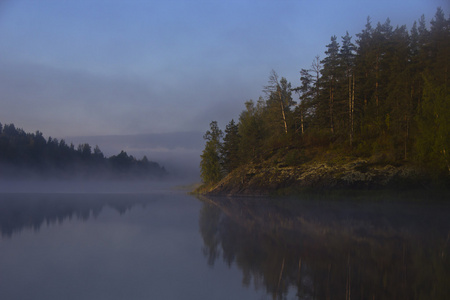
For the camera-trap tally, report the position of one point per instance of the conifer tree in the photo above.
(252, 130)
(433, 142)
(279, 101)
(210, 168)
(306, 94)
(330, 74)
(347, 61)
(363, 73)
(230, 147)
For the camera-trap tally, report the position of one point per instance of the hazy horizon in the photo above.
(178, 152)
(149, 77)
(93, 68)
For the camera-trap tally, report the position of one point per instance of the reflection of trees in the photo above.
(20, 211)
(331, 250)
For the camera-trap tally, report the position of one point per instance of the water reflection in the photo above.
(31, 211)
(332, 249)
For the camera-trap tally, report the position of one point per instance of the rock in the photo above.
(265, 180)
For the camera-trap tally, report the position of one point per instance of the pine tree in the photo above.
(306, 94)
(330, 73)
(279, 101)
(347, 62)
(364, 79)
(398, 103)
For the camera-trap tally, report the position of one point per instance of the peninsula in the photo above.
(370, 114)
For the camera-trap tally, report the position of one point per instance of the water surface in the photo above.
(169, 245)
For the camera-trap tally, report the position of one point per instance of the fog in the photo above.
(178, 152)
(172, 160)
(94, 186)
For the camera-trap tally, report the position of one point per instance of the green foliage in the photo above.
(367, 99)
(433, 140)
(230, 147)
(210, 167)
(252, 130)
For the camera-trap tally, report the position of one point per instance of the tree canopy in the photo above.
(24, 153)
(384, 94)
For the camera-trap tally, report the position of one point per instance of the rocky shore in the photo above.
(255, 180)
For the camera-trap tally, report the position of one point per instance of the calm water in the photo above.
(169, 245)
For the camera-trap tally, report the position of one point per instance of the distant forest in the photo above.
(384, 96)
(30, 154)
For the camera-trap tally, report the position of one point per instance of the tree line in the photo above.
(386, 94)
(24, 153)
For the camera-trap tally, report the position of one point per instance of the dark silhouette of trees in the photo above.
(210, 167)
(29, 153)
(230, 147)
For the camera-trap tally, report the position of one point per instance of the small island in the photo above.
(370, 114)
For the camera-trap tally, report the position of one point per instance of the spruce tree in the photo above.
(230, 147)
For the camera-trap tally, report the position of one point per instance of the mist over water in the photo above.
(86, 186)
(108, 246)
(178, 152)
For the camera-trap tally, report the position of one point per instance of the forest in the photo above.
(29, 154)
(383, 96)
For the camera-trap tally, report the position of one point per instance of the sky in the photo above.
(109, 67)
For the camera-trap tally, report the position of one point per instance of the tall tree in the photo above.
(347, 61)
(252, 130)
(433, 141)
(230, 147)
(440, 48)
(330, 74)
(306, 93)
(399, 105)
(210, 168)
(279, 100)
(363, 68)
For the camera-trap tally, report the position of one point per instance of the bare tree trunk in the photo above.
(316, 67)
(282, 112)
(302, 122)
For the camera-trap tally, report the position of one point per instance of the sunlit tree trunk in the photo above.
(282, 111)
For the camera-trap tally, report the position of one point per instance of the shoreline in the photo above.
(356, 175)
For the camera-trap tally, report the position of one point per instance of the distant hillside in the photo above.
(177, 151)
(29, 154)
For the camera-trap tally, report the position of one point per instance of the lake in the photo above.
(169, 245)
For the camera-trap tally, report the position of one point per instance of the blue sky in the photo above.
(71, 68)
